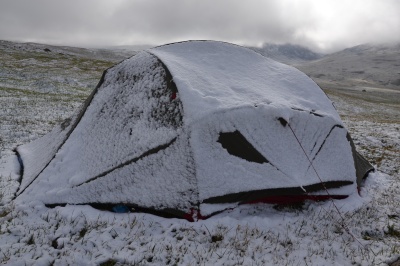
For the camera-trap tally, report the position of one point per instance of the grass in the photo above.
(358, 104)
(15, 92)
(4, 213)
(392, 231)
(304, 234)
(51, 73)
(181, 242)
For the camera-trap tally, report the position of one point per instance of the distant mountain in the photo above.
(365, 65)
(287, 53)
(135, 48)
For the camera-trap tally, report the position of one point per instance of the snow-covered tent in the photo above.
(193, 128)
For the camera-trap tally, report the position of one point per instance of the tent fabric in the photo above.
(363, 167)
(194, 128)
(38, 154)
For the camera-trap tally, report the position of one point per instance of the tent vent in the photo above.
(236, 144)
(283, 121)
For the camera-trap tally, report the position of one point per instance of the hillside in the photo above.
(45, 68)
(35, 75)
(287, 53)
(364, 66)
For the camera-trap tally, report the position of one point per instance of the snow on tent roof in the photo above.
(214, 76)
(198, 125)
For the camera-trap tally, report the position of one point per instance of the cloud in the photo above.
(322, 25)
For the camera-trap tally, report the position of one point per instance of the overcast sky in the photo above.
(322, 25)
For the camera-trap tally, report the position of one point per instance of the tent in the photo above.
(193, 128)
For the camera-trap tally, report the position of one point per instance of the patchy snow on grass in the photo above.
(259, 234)
(365, 230)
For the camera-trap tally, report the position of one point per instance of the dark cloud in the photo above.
(324, 25)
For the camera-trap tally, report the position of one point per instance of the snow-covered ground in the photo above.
(365, 231)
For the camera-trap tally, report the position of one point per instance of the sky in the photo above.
(322, 25)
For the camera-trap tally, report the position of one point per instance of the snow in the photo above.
(213, 76)
(31, 234)
(121, 123)
(37, 154)
(219, 173)
(9, 176)
(105, 159)
(226, 88)
(154, 181)
(256, 234)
